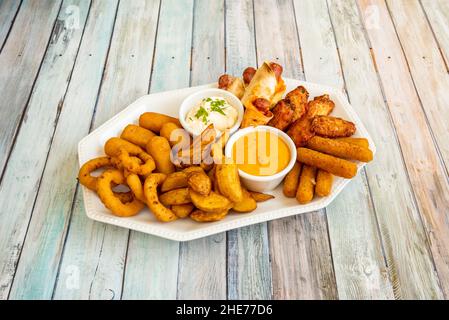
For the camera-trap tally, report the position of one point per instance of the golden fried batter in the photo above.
(297, 99)
(331, 127)
(320, 106)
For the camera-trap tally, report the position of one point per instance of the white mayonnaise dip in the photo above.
(212, 110)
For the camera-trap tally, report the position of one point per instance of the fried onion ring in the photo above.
(110, 200)
(161, 212)
(140, 163)
(136, 186)
(84, 175)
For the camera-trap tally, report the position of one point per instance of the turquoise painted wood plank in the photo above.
(96, 252)
(20, 61)
(37, 271)
(298, 271)
(249, 271)
(426, 171)
(22, 175)
(152, 262)
(408, 263)
(8, 11)
(202, 262)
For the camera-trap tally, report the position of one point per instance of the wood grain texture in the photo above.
(427, 67)
(248, 270)
(148, 276)
(294, 270)
(202, 262)
(8, 11)
(408, 261)
(20, 61)
(37, 272)
(22, 176)
(426, 172)
(351, 217)
(99, 250)
(437, 12)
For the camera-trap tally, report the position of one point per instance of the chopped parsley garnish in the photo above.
(202, 113)
(218, 106)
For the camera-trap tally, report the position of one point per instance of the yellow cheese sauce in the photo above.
(261, 153)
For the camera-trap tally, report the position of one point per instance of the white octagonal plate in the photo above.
(186, 229)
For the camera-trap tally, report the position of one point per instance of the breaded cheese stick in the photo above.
(361, 142)
(306, 185)
(340, 149)
(336, 166)
(291, 181)
(324, 181)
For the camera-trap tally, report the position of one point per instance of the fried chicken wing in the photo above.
(301, 131)
(320, 106)
(297, 99)
(332, 127)
(282, 115)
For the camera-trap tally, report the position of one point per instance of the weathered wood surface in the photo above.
(202, 262)
(293, 266)
(22, 177)
(20, 60)
(406, 253)
(249, 271)
(95, 252)
(152, 264)
(426, 172)
(8, 11)
(68, 66)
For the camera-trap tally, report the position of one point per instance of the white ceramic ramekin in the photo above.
(263, 183)
(195, 98)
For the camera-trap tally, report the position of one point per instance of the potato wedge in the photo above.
(261, 197)
(182, 210)
(175, 197)
(210, 203)
(199, 182)
(174, 180)
(228, 180)
(201, 216)
(247, 204)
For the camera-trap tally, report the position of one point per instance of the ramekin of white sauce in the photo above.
(211, 106)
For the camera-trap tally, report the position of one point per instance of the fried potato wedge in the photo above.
(261, 197)
(199, 182)
(175, 197)
(201, 216)
(174, 180)
(182, 210)
(247, 204)
(228, 180)
(210, 203)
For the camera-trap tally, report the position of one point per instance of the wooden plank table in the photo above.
(67, 66)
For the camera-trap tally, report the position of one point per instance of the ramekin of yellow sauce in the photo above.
(264, 155)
